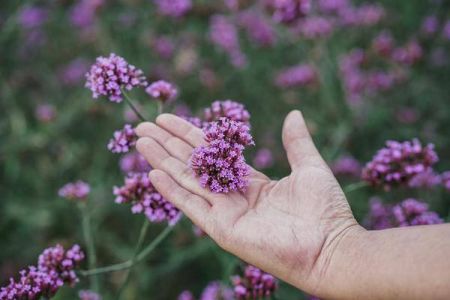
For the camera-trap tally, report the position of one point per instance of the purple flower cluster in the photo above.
(409, 212)
(333, 6)
(254, 284)
(426, 179)
(287, 11)
(32, 17)
(228, 109)
(186, 295)
(162, 91)
(221, 164)
(258, 29)
(82, 14)
(45, 113)
(89, 295)
(111, 74)
(74, 72)
(364, 15)
(134, 162)
(431, 25)
(123, 140)
(163, 46)
(216, 291)
(346, 165)
(173, 8)
(55, 268)
(144, 198)
(78, 190)
(314, 27)
(223, 33)
(445, 177)
(398, 163)
(263, 159)
(299, 75)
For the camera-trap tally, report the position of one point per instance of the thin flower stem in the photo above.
(130, 103)
(160, 107)
(89, 240)
(355, 186)
(128, 264)
(142, 234)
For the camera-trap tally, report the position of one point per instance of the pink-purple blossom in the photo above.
(45, 112)
(258, 29)
(287, 11)
(263, 159)
(73, 73)
(173, 8)
(32, 17)
(314, 27)
(186, 295)
(346, 165)
(78, 190)
(88, 295)
(123, 140)
(445, 177)
(162, 91)
(144, 198)
(216, 291)
(227, 108)
(134, 162)
(296, 76)
(109, 75)
(254, 284)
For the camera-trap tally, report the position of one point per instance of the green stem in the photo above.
(130, 103)
(355, 186)
(142, 234)
(89, 240)
(160, 109)
(128, 264)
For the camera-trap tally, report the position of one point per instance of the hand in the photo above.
(289, 228)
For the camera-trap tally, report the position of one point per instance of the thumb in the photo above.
(297, 141)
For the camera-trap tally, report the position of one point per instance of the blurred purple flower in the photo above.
(380, 81)
(430, 25)
(123, 140)
(346, 165)
(162, 90)
(109, 74)
(82, 14)
(445, 177)
(263, 159)
(72, 73)
(446, 30)
(144, 198)
(32, 16)
(426, 179)
(186, 295)
(398, 163)
(383, 44)
(88, 295)
(333, 6)
(407, 115)
(315, 27)
(364, 15)
(163, 46)
(229, 109)
(287, 11)
(134, 162)
(409, 54)
(173, 8)
(216, 291)
(45, 113)
(299, 75)
(258, 29)
(254, 284)
(78, 190)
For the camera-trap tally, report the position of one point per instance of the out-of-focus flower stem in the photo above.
(129, 263)
(160, 107)
(142, 234)
(355, 186)
(133, 108)
(89, 240)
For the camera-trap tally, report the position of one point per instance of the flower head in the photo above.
(134, 162)
(162, 91)
(228, 109)
(346, 165)
(45, 112)
(398, 163)
(254, 284)
(446, 180)
(216, 291)
(123, 140)
(228, 131)
(111, 74)
(287, 11)
(173, 8)
(186, 295)
(144, 198)
(88, 295)
(78, 190)
(263, 158)
(299, 75)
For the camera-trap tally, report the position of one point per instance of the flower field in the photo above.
(79, 215)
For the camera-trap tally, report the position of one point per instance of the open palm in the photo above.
(287, 227)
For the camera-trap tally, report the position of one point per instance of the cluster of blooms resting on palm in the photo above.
(409, 212)
(55, 268)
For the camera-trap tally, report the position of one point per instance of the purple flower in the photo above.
(88, 295)
(430, 25)
(45, 113)
(163, 46)
(258, 29)
(221, 164)
(263, 159)
(186, 295)
(379, 216)
(134, 162)
(78, 190)
(73, 73)
(110, 74)
(426, 179)
(446, 180)
(254, 284)
(407, 115)
(365, 15)
(229, 109)
(173, 8)
(383, 44)
(299, 75)
(32, 16)
(409, 54)
(314, 27)
(216, 291)
(162, 91)
(287, 11)
(346, 165)
(123, 140)
(333, 6)
(144, 198)
(82, 14)
(446, 30)
(398, 163)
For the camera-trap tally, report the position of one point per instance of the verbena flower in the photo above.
(88, 295)
(258, 29)
(314, 27)
(364, 15)
(409, 212)
(173, 8)
(383, 44)
(221, 164)
(162, 91)
(426, 179)
(216, 291)
(144, 198)
(333, 6)
(78, 190)
(263, 159)
(346, 165)
(398, 163)
(45, 112)
(445, 177)
(254, 284)
(110, 74)
(186, 295)
(299, 75)
(123, 140)
(228, 109)
(287, 11)
(31, 17)
(73, 73)
(134, 162)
